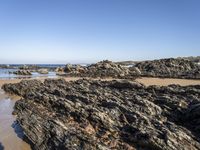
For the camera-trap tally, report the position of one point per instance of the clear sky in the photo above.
(62, 31)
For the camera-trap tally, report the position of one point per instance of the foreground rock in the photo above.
(170, 68)
(104, 115)
(22, 72)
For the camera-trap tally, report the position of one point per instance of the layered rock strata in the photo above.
(170, 68)
(103, 115)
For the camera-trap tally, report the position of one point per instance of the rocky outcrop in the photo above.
(22, 72)
(59, 69)
(107, 69)
(74, 69)
(94, 114)
(103, 69)
(166, 68)
(170, 68)
(195, 59)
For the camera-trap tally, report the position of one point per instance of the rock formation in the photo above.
(103, 115)
(170, 68)
(166, 68)
(103, 69)
(74, 69)
(59, 69)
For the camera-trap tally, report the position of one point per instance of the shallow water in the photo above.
(4, 74)
(11, 134)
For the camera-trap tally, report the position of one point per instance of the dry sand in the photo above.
(8, 137)
(167, 81)
(145, 80)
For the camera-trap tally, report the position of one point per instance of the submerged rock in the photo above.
(94, 114)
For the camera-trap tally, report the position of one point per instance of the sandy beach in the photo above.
(9, 130)
(144, 80)
(167, 81)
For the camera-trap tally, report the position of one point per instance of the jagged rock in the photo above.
(94, 114)
(107, 69)
(103, 69)
(59, 69)
(170, 68)
(167, 68)
(135, 70)
(68, 68)
(22, 72)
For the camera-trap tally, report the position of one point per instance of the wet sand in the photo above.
(11, 134)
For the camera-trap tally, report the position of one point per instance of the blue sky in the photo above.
(62, 31)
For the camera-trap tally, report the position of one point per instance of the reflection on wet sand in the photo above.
(11, 135)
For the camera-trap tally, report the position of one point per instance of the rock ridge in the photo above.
(119, 114)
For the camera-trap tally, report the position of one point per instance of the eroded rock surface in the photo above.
(103, 115)
(170, 68)
(103, 69)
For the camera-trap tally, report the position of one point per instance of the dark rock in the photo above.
(170, 68)
(59, 69)
(22, 72)
(103, 69)
(94, 114)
